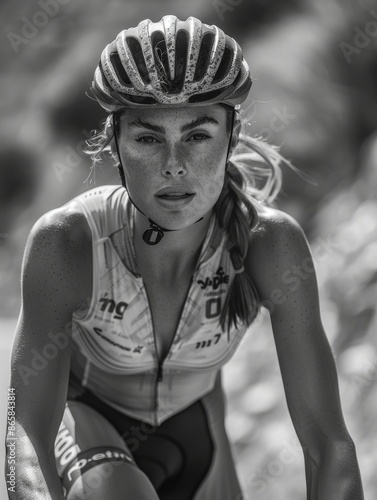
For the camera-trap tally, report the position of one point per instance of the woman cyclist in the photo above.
(134, 296)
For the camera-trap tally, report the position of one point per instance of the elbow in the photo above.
(336, 473)
(329, 450)
(336, 448)
(339, 457)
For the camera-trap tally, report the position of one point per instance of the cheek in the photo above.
(211, 164)
(218, 151)
(137, 178)
(211, 182)
(138, 168)
(137, 181)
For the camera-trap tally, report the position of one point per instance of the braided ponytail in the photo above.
(237, 215)
(253, 176)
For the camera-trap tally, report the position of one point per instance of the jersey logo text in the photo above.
(208, 343)
(111, 305)
(218, 279)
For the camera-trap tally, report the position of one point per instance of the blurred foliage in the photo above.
(314, 93)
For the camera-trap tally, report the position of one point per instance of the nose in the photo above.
(174, 163)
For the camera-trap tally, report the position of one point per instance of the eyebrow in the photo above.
(197, 122)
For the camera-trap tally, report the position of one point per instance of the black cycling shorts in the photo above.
(187, 456)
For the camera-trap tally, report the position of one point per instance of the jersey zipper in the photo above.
(159, 373)
(159, 379)
(159, 376)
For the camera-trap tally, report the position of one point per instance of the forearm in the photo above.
(335, 476)
(30, 473)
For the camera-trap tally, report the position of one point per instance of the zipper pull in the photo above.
(159, 373)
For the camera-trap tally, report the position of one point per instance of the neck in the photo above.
(176, 253)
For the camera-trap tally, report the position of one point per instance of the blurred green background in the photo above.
(314, 65)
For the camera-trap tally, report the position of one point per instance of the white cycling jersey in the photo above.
(115, 352)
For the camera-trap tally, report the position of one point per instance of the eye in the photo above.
(199, 136)
(147, 139)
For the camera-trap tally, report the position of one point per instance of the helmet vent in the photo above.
(225, 66)
(181, 49)
(161, 60)
(138, 56)
(119, 68)
(204, 56)
(169, 85)
(206, 96)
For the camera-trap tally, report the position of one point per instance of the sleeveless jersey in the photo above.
(114, 351)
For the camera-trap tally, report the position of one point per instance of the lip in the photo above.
(175, 202)
(179, 190)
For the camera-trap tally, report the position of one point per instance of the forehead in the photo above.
(173, 116)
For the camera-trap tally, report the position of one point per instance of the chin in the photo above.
(177, 223)
(180, 220)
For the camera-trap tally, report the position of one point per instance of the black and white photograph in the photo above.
(188, 249)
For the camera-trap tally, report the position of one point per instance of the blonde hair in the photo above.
(253, 177)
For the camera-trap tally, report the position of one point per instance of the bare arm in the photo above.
(52, 288)
(280, 263)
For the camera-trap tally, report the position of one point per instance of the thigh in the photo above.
(176, 455)
(187, 457)
(221, 481)
(94, 462)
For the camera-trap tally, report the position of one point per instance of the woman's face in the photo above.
(174, 161)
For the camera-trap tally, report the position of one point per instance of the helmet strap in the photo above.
(233, 137)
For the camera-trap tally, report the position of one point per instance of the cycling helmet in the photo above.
(170, 63)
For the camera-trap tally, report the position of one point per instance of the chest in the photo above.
(133, 320)
(166, 304)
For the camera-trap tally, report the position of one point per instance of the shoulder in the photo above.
(64, 226)
(275, 224)
(277, 247)
(277, 235)
(57, 256)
